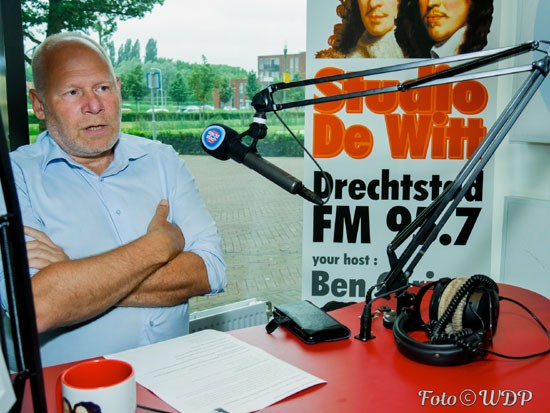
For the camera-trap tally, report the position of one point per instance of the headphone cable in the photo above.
(537, 320)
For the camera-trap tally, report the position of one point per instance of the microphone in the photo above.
(222, 143)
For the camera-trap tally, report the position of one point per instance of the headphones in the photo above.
(463, 319)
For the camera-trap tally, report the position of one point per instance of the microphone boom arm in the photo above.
(428, 229)
(444, 205)
(264, 102)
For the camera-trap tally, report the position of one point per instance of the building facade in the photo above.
(281, 67)
(271, 69)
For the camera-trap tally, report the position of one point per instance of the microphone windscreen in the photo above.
(215, 139)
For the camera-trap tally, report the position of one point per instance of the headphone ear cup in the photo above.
(465, 307)
(482, 309)
(423, 352)
(477, 310)
(438, 290)
(456, 325)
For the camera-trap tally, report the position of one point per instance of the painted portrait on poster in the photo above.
(388, 156)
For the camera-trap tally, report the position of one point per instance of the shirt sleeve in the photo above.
(23, 206)
(190, 213)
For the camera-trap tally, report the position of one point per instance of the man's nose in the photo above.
(93, 103)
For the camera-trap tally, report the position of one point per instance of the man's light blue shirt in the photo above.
(86, 214)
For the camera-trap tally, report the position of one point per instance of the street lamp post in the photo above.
(154, 82)
(286, 73)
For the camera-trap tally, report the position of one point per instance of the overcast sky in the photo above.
(232, 32)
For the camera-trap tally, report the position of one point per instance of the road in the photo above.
(261, 229)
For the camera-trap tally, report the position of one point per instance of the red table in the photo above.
(374, 377)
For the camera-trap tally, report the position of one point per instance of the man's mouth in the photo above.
(433, 17)
(95, 127)
(376, 17)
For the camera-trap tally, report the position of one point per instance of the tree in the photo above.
(225, 90)
(42, 18)
(125, 51)
(150, 51)
(135, 51)
(110, 48)
(297, 93)
(201, 81)
(133, 84)
(252, 85)
(178, 89)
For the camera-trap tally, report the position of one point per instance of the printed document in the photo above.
(211, 371)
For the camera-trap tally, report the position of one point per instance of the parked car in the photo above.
(191, 109)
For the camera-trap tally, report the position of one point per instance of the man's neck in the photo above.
(450, 46)
(97, 164)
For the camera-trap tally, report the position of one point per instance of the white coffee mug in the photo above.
(97, 386)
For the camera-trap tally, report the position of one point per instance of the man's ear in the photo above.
(37, 105)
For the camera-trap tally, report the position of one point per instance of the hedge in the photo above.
(210, 116)
(188, 142)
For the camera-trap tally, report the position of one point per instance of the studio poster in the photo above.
(390, 155)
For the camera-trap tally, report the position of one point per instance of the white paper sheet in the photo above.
(210, 371)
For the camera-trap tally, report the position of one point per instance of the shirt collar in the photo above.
(124, 153)
(384, 46)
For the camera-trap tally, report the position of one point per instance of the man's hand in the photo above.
(170, 234)
(77, 290)
(41, 251)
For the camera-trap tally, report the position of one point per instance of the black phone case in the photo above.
(307, 322)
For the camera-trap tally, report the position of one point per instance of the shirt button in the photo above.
(118, 211)
(152, 323)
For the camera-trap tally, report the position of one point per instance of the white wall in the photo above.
(522, 168)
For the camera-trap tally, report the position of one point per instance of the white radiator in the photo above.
(232, 316)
